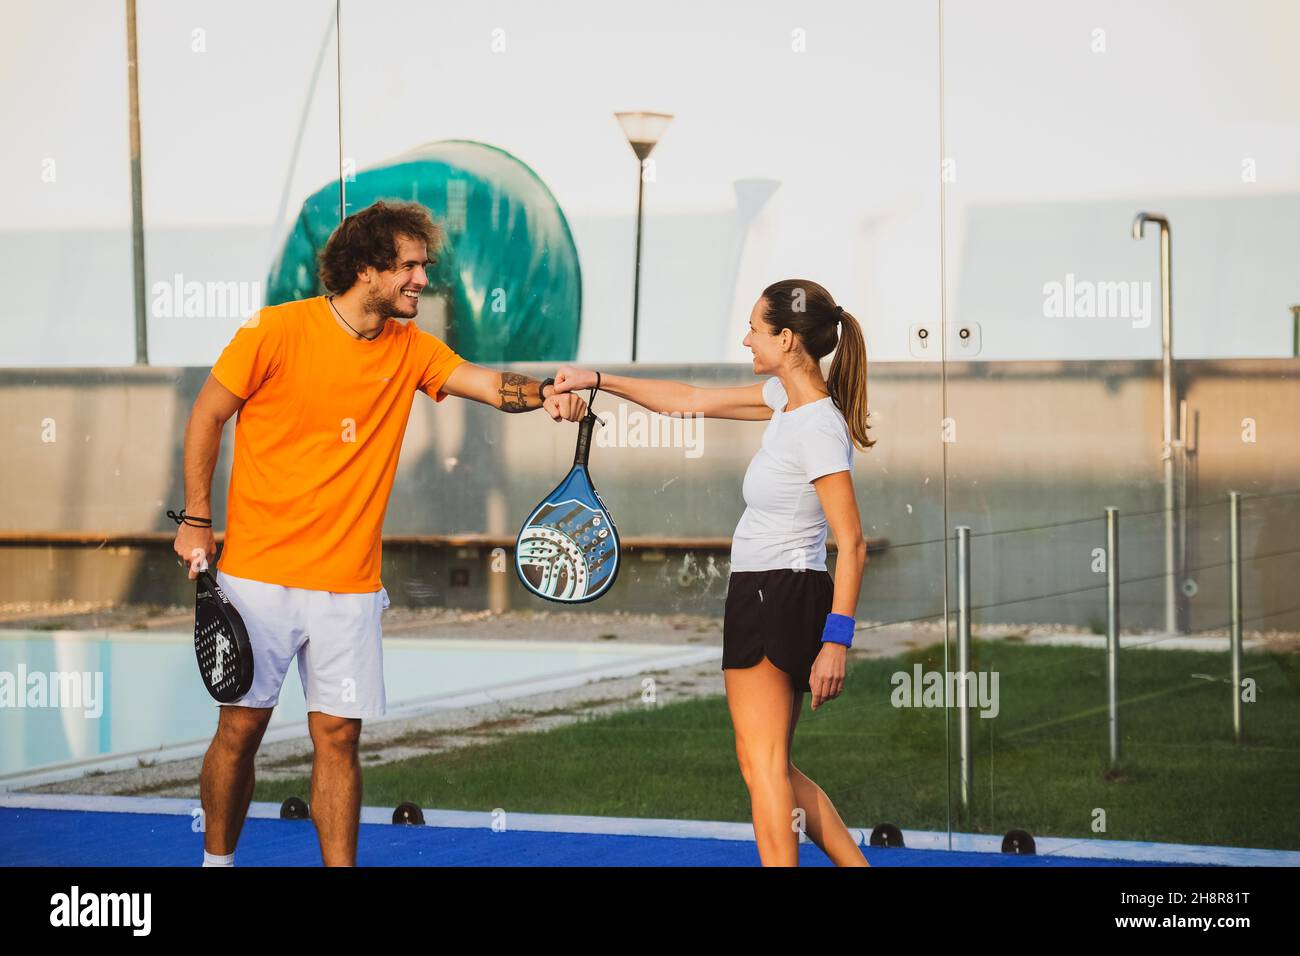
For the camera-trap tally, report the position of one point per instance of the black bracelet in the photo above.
(192, 520)
(541, 392)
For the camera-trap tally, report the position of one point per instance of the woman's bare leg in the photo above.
(759, 699)
(821, 821)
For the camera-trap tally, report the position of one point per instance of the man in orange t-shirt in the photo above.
(323, 388)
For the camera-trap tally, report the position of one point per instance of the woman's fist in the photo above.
(569, 378)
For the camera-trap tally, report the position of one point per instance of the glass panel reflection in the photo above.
(1062, 406)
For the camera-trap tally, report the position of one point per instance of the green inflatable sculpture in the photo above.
(509, 271)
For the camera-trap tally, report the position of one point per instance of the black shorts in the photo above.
(777, 614)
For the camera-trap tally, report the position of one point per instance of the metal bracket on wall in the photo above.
(964, 341)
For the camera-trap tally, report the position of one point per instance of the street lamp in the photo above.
(642, 131)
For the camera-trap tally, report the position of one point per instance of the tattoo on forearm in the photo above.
(517, 392)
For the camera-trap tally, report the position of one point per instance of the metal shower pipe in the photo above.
(1167, 442)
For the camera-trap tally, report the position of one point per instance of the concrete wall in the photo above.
(1035, 452)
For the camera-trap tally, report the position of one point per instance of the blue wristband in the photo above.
(838, 630)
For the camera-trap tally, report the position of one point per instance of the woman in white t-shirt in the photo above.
(787, 624)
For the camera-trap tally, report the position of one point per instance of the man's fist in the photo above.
(193, 547)
(569, 408)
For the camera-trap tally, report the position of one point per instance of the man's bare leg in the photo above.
(226, 782)
(336, 786)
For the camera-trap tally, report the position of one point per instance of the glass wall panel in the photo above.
(65, 187)
(802, 144)
(237, 115)
(1100, 428)
(239, 123)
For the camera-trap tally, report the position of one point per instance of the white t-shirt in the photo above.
(783, 526)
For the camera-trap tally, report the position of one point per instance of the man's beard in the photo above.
(386, 309)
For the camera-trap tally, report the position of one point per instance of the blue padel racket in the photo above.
(568, 549)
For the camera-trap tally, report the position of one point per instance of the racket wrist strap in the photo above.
(838, 630)
(194, 521)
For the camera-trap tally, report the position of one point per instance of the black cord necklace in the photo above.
(368, 338)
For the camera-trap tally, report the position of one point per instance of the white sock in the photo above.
(212, 859)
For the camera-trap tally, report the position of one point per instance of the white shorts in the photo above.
(336, 637)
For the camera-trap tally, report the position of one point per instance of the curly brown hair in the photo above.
(369, 238)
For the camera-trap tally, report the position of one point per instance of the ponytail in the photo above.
(821, 326)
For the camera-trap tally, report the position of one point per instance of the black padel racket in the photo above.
(221, 643)
(568, 549)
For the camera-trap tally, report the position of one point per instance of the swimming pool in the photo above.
(138, 696)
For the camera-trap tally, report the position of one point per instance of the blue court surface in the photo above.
(38, 830)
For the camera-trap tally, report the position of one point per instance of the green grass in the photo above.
(1041, 764)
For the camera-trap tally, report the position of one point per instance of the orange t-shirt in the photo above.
(317, 442)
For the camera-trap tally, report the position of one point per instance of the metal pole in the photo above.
(137, 190)
(1167, 363)
(1112, 631)
(941, 280)
(1183, 523)
(338, 74)
(1167, 451)
(636, 275)
(967, 770)
(1234, 588)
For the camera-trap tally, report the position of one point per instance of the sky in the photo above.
(1058, 121)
